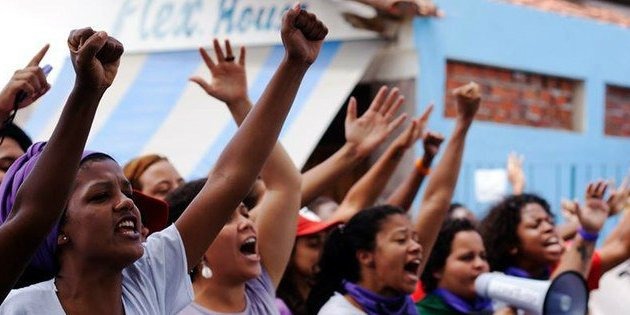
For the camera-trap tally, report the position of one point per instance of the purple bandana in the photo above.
(43, 263)
(374, 304)
(521, 273)
(478, 305)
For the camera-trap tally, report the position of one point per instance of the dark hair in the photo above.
(453, 206)
(498, 228)
(339, 261)
(11, 130)
(442, 250)
(287, 289)
(179, 199)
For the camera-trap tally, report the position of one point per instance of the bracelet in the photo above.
(588, 236)
(424, 171)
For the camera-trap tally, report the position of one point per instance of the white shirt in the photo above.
(157, 283)
(339, 305)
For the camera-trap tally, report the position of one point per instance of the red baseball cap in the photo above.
(309, 223)
(154, 211)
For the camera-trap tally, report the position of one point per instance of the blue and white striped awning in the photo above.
(153, 108)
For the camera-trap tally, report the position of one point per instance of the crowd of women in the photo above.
(80, 234)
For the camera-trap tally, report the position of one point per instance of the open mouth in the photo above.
(249, 246)
(127, 226)
(412, 267)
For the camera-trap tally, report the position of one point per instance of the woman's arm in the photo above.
(241, 161)
(406, 192)
(437, 197)
(592, 218)
(42, 197)
(363, 136)
(365, 191)
(276, 214)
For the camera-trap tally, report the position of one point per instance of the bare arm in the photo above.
(276, 214)
(365, 191)
(244, 156)
(592, 218)
(616, 248)
(406, 192)
(437, 197)
(363, 136)
(42, 197)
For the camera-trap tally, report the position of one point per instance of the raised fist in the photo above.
(302, 35)
(95, 57)
(468, 99)
(431, 143)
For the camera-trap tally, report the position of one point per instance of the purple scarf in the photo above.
(478, 305)
(43, 262)
(374, 304)
(521, 273)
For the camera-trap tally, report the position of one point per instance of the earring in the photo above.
(206, 272)
(64, 238)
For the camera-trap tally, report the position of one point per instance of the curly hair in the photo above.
(442, 250)
(339, 260)
(499, 228)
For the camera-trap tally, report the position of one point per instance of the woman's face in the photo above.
(234, 256)
(466, 261)
(10, 151)
(397, 256)
(102, 222)
(159, 179)
(539, 243)
(308, 250)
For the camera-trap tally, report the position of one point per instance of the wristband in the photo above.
(588, 236)
(424, 171)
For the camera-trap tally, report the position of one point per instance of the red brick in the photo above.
(617, 122)
(517, 97)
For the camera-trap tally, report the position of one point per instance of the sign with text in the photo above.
(149, 25)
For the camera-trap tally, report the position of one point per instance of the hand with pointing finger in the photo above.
(31, 81)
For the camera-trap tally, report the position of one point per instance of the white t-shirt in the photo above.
(339, 305)
(157, 283)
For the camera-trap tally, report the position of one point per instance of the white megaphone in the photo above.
(565, 295)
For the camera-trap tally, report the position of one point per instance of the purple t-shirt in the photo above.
(260, 299)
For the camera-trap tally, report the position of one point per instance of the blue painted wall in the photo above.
(558, 163)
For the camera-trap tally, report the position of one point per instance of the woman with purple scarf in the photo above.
(31, 219)
(458, 258)
(372, 264)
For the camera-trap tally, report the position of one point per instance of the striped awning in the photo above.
(153, 108)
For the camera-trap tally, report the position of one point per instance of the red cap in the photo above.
(154, 211)
(307, 226)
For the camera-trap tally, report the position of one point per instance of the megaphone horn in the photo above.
(564, 295)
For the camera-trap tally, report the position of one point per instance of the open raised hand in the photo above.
(302, 35)
(619, 198)
(95, 57)
(30, 80)
(595, 211)
(515, 173)
(468, 100)
(372, 128)
(229, 80)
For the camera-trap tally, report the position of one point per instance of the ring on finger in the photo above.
(229, 58)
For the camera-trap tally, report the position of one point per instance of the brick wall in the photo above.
(516, 97)
(617, 111)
